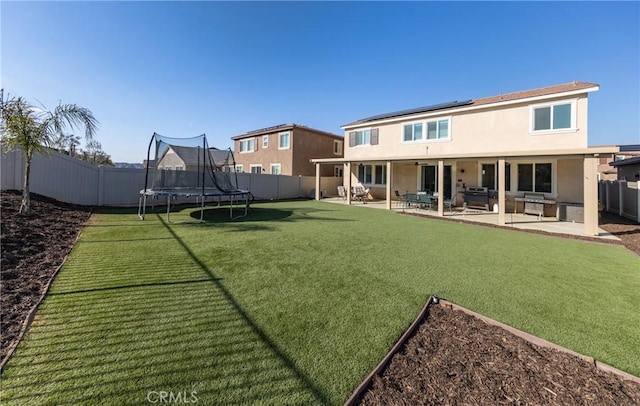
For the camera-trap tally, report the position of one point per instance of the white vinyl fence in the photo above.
(621, 197)
(74, 181)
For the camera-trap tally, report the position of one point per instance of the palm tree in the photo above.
(31, 128)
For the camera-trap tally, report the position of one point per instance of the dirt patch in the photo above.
(626, 230)
(454, 358)
(32, 250)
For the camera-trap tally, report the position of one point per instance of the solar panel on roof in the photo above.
(424, 109)
(267, 128)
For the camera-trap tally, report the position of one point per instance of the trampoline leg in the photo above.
(140, 212)
(168, 208)
(202, 209)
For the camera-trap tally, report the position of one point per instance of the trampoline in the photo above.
(186, 168)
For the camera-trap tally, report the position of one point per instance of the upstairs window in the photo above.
(553, 117)
(438, 129)
(285, 140)
(412, 132)
(265, 141)
(337, 147)
(247, 145)
(363, 137)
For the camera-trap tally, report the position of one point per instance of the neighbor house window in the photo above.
(256, 168)
(380, 175)
(337, 147)
(276, 169)
(438, 129)
(239, 168)
(551, 117)
(247, 145)
(535, 177)
(265, 141)
(412, 132)
(284, 140)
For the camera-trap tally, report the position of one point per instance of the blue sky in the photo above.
(225, 68)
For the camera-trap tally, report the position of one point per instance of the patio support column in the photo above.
(590, 164)
(388, 185)
(347, 173)
(502, 198)
(317, 181)
(441, 195)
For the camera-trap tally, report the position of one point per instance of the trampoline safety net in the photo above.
(188, 167)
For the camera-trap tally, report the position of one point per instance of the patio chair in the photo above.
(400, 199)
(360, 193)
(410, 198)
(450, 202)
(423, 200)
(342, 193)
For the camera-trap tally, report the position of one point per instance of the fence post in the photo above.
(621, 197)
(101, 186)
(607, 189)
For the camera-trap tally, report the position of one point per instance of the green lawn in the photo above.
(296, 303)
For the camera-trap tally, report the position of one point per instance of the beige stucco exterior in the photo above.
(304, 144)
(505, 128)
(492, 131)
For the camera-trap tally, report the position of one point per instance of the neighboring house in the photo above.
(178, 158)
(536, 138)
(628, 169)
(287, 149)
(608, 171)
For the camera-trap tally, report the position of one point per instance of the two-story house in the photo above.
(532, 141)
(287, 149)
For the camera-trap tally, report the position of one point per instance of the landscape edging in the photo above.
(542, 343)
(357, 393)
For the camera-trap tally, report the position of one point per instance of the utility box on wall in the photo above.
(570, 212)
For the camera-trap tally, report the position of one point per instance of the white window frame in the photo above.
(437, 120)
(574, 117)
(356, 145)
(179, 167)
(413, 132)
(239, 168)
(265, 141)
(337, 147)
(273, 166)
(376, 181)
(247, 142)
(254, 166)
(280, 137)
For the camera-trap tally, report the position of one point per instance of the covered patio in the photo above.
(519, 221)
(572, 177)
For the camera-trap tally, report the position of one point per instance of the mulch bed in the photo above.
(33, 248)
(451, 359)
(456, 359)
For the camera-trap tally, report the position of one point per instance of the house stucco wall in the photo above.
(487, 130)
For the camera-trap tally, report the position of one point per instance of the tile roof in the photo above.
(281, 127)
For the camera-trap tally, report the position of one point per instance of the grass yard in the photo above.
(296, 303)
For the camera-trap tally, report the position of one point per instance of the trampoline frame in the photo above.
(201, 197)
